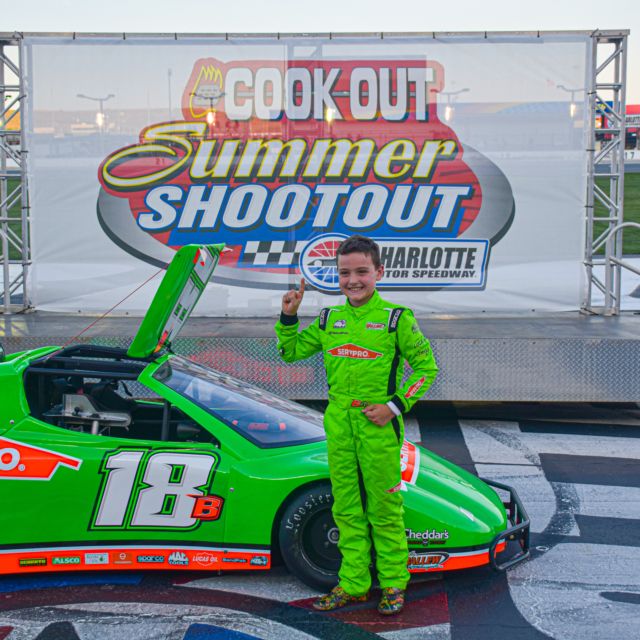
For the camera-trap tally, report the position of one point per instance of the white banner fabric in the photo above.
(464, 157)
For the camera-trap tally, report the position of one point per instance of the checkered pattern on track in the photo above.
(272, 252)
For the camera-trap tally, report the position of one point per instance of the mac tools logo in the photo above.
(281, 160)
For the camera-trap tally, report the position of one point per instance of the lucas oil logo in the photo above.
(270, 155)
(19, 461)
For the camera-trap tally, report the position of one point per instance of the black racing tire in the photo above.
(308, 538)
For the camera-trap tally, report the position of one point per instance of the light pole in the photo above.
(448, 110)
(100, 117)
(572, 107)
(211, 112)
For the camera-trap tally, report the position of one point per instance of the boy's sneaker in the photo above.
(391, 602)
(337, 598)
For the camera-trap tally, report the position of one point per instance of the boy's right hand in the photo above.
(292, 299)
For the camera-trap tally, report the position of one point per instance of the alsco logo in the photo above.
(19, 461)
(354, 352)
(267, 155)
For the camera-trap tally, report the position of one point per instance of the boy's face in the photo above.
(357, 277)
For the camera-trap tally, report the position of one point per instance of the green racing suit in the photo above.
(364, 349)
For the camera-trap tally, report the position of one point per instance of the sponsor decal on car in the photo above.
(65, 560)
(32, 562)
(409, 462)
(96, 558)
(429, 536)
(205, 559)
(414, 388)
(150, 559)
(259, 561)
(122, 557)
(19, 461)
(235, 560)
(376, 326)
(354, 352)
(426, 560)
(172, 496)
(179, 558)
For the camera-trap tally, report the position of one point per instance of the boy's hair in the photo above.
(360, 244)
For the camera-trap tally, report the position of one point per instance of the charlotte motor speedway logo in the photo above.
(280, 159)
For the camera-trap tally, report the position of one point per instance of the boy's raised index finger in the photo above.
(301, 290)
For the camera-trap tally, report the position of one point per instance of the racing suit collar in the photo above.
(373, 303)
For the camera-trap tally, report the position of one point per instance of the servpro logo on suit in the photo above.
(354, 352)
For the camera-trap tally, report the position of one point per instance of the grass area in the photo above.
(631, 237)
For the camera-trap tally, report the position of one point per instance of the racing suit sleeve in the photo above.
(297, 345)
(415, 348)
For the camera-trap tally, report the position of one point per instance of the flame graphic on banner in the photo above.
(207, 91)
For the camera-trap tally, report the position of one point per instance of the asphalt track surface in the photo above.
(577, 470)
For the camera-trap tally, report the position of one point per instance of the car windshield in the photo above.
(261, 417)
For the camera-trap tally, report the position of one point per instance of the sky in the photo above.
(298, 16)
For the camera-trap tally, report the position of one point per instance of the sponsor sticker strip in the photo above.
(69, 559)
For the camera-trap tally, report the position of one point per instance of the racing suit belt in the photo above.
(347, 401)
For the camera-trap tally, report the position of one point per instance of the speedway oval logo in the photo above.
(275, 158)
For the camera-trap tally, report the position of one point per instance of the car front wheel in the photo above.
(309, 538)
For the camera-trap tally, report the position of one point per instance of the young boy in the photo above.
(364, 344)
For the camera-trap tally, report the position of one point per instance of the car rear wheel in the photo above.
(309, 538)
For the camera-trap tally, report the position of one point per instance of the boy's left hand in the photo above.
(379, 414)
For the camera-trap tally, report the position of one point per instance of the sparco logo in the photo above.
(354, 352)
(178, 557)
(266, 156)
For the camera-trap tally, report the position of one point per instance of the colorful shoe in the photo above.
(337, 598)
(391, 602)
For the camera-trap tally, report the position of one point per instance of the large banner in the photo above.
(464, 157)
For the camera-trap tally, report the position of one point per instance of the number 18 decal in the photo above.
(165, 489)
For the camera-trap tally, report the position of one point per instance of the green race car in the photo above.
(200, 470)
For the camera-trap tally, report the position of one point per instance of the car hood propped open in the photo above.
(177, 295)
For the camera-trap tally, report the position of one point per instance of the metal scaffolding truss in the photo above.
(14, 196)
(604, 203)
(604, 207)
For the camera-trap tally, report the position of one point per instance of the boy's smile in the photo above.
(358, 277)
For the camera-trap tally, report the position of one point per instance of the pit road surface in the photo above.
(577, 471)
